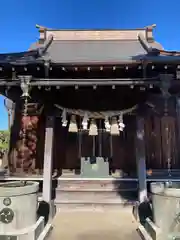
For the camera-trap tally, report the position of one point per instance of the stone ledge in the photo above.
(46, 232)
(150, 231)
(35, 232)
(143, 233)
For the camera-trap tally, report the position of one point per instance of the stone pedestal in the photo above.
(95, 167)
(18, 205)
(166, 208)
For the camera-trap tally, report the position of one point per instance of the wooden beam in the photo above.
(83, 82)
(91, 81)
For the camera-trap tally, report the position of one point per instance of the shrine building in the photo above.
(93, 104)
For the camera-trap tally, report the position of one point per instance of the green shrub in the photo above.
(4, 140)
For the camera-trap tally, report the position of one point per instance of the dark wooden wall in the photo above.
(69, 147)
(161, 140)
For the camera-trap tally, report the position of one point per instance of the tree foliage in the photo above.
(4, 140)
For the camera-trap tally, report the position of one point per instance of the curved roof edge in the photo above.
(99, 34)
(96, 34)
(49, 38)
(20, 57)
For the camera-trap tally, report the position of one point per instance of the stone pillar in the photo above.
(141, 159)
(48, 163)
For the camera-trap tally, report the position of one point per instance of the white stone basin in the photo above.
(166, 206)
(18, 205)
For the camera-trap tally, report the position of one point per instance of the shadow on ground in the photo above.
(127, 190)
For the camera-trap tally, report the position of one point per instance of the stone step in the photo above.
(96, 192)
(92, 206)
(95, 184)
(95, 195)
(96, 206)
(94, 189)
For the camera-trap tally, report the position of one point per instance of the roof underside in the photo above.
(93, 51)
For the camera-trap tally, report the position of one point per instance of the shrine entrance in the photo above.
(71, 150)
(90, 137)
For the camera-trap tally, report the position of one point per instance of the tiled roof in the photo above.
(93, 51)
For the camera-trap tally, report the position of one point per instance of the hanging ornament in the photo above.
(93, 130)
(64, 120)
(121, 124)
(96, 115)
(25, 85)
(26, 123)
(85, 121)
(114, 130)
(73, 124)
(107, 124)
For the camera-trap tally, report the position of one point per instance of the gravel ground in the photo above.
(107, 225)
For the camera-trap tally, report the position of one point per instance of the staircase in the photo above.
(78, 193)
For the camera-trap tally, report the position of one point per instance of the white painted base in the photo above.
(151, 232)
(142, 195)
(46, 232)
(149, 179)
(68, 178)
(143, 233)
(35, 232)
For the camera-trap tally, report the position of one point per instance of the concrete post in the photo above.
(141, 159)
(48, 163)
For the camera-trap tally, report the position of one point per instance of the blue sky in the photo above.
(19, 17)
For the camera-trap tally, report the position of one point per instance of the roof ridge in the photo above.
(43, 28)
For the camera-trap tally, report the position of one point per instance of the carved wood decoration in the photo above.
(23, 149)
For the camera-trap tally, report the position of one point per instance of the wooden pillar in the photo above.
(178, 131)
(140, 159)
(178, 123)
(48, 163)
(10, 106)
